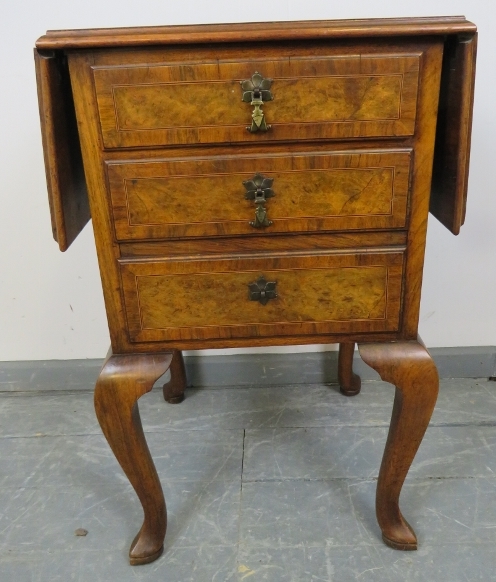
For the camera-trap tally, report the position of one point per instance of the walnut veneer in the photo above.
(253, 185)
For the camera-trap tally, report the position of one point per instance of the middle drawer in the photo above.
(246, 194)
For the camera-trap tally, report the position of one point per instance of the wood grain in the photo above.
(209, 298)
(257, 243)
(346, 96)
(254, 32)
(67, 192)
(349, 382)
(122, 381)
(454, 128)
(163, 138)
(91, 147)
(313, 191)
(410, 368)
(422, 144)
(174, 389)
(421, 186)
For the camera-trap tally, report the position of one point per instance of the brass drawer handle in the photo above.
(262, 290)
(255, 92)
(258, 189)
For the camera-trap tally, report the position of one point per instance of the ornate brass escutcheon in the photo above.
(255, 92)
(258, 189)
(262, 290)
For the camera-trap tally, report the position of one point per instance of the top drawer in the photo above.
(307, 97)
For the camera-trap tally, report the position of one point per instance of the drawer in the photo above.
(233, 297)
(199, 100)
(302, 191)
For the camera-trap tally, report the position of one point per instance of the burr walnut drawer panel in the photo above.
(200, 100)
(222, 297)
(308, 191)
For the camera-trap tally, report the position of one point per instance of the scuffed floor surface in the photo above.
(262, 484)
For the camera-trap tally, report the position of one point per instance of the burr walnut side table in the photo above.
(254, 185)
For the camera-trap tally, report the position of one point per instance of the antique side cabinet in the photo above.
(253, 185)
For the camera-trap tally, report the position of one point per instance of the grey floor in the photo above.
(262, 484)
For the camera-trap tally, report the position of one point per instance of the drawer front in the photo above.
(337, 97)
(305, 192)
(222, 298)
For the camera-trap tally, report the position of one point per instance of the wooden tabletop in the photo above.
(252, 31)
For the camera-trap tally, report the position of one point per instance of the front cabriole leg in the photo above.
(411, 369)
(122, 381)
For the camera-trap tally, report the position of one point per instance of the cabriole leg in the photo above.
(174, 389)
(410, 368)
(349, 382)
(122, 381)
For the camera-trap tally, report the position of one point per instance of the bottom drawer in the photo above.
(225, 297)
